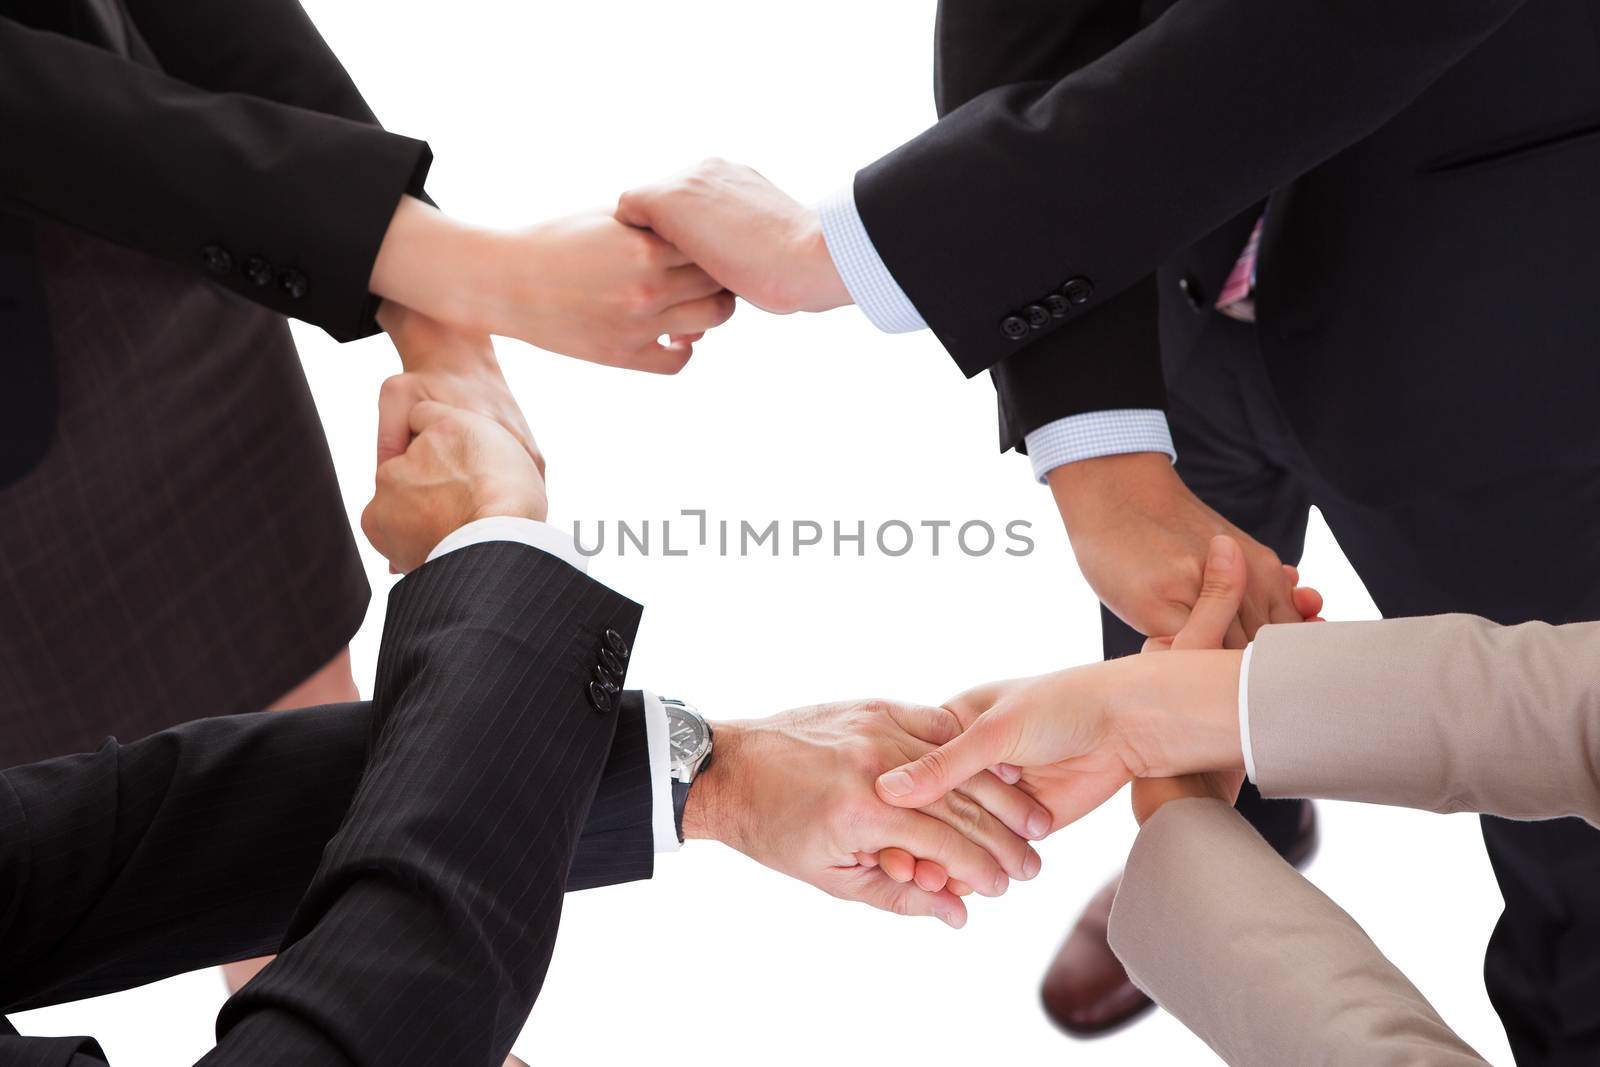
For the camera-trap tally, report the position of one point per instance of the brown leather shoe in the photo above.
(1086, 992)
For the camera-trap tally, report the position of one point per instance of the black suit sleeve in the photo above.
(194, 846)
(146, 160)
(1111, 358)
(425, 935)
(1102, 174)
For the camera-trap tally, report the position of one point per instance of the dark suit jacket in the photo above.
(1428, 261)
(406, 858)
(222, 136)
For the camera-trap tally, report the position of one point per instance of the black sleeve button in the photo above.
(606, 678)
(1014, 328)
(600, 697)
(293, 283)
(257, 271)
(616, 643)
(611, 661)
(1078, 290)
(216, 259)
(1037, 316)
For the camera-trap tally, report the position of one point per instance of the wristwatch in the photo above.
(689, 741)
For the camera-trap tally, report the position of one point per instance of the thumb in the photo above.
(1221, 591)
(921, 782)
(396, 398)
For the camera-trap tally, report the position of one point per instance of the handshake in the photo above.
(904, 807)
(633, 289)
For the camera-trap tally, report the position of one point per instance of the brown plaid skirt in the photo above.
(182, 551)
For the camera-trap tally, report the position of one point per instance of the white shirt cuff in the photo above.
(1098, 433)
(530, 532)
(662, 820)
(862, 270)
(1244, 712)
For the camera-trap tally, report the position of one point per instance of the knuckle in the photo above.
(965, 814)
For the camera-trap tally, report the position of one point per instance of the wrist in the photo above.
(826, 289)
(436, 265)
(1086, 488)
(1177, 712)
(713, 809)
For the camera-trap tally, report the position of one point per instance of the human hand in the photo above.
(745, 232)
(794, 793)
(1074, 738)
(446, 365)
(1140, 537)
(585, 286)
(459, 467)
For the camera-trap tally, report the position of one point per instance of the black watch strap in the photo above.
(680, 800)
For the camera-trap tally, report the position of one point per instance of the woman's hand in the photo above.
(1073, 738)
(586, 286)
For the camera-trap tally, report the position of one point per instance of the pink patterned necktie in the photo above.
(1238, 297)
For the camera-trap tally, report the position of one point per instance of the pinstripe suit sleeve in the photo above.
(425, 935)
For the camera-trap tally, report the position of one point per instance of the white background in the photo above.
(541, 109)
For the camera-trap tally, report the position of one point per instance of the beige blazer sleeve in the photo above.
(1256, 961)
(1444, 713)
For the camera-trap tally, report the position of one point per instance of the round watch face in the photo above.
(687, 735)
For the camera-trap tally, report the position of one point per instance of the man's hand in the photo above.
(794, 793)
(584, 286)
(447, 365)
(1141, 537)
(1076, 737)
(745, 232)
(458, 468)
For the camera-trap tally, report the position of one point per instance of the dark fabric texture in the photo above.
(181, 549)
(1467, 550)
(254, 117)
(1431, 169)
(406, 857)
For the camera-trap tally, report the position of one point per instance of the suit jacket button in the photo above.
(1078, 290)
(1014, 328)
(216, 259)
(258, 271)
(1189, 285)
(1037, 315)
(606, 678)
(294, 283)
(1058, 306)
(600, 697)
(616, 643)
(611, 661)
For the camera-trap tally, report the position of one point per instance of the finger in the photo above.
(936, 726)
(930, 876)
(426, 413)
(1156, 644)
(866, 859)
(1236, 638)
(900, 865)
(921, 782)
(1291, 572)
(687, 283)
(958, 887)
(658, 358)
(934, 839)
(1221, 592)
(963, 814)
(396, 397)
(700, 315)
(1009, 773)
(1017, 811)
(872, 886)
(1308, 602)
